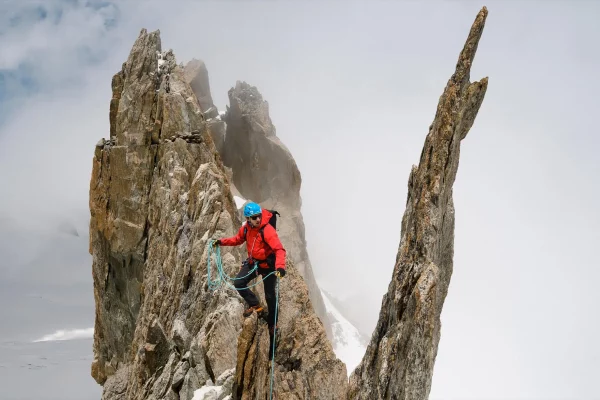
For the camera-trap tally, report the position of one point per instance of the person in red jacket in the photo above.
(263, 246)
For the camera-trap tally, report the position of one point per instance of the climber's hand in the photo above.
(280, 272)
(216, 243)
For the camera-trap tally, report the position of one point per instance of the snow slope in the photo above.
(239, 201)
(347, 343)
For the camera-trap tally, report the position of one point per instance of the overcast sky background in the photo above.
(352, 89)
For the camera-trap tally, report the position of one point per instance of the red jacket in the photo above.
(256, 247)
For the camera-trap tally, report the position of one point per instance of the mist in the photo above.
(352, 89)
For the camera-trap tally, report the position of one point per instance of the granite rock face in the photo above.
(305, 364)
(264, 171)
(400, 358)
(158, 193)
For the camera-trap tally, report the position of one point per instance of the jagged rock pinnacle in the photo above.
(264, 170)
(400, 358)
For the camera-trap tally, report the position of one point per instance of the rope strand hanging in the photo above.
(224, 278)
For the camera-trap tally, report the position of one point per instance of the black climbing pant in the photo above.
(244, 278)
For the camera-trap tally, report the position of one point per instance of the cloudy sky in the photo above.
(352, 89)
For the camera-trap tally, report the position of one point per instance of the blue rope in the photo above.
(223, 277)
(274, 335)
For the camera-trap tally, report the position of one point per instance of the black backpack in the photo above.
(272, 222)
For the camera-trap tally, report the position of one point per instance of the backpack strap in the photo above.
(261, 231)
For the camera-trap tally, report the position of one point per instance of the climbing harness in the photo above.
(224, 278)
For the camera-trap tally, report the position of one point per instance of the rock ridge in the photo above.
(158, 193)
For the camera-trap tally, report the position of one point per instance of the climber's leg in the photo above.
(271, 297)
(242, 280)
(269, 286)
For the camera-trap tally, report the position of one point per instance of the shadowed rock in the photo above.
(264, 171)
(400, 358)
(196, 75)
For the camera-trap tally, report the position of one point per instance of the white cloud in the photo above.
(68, 334)
(60, 43)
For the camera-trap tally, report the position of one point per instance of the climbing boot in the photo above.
(250, 310)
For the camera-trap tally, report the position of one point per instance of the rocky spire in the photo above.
(263, 167)
(264, 171)
(158, 193)
(196, 75)
(399, 360)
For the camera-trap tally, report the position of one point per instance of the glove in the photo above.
(216, 243)
(280, 272)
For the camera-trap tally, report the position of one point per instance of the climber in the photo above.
(263, 246)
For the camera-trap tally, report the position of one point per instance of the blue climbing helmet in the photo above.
(252, 209)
